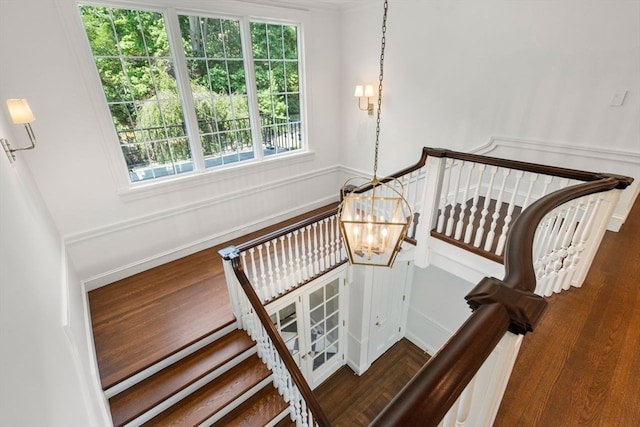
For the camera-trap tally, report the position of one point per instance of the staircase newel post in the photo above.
(233, 286)
(435, 165)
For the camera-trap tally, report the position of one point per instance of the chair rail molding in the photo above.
(82, 244)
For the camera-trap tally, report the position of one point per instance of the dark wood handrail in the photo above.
(579, 175)
(420, 163)
(426, 399)
(286, 230)
(499, 306)
(296, 375)
(519, 272)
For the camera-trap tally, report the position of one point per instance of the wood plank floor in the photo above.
(350, 400)
(581, 366)
(144, 318)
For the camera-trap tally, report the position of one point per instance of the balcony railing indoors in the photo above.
(544, 223)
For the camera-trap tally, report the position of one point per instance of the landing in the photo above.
(145, 318)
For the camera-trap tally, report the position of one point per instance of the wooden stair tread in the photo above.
(258, 410)
(211, 398)
(167, 324)
(143, 396)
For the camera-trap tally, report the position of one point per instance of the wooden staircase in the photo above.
(169, 353)
(222, 383)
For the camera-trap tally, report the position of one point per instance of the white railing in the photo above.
(471, 199)
(567, 239)
(478, 201)
(282, 380)
(564, 245)
(283, 263)
(278, 264)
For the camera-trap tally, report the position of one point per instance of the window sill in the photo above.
(149, 189)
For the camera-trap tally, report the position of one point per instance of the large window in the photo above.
(220, 91)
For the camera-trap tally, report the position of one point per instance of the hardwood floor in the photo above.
(144, 318)
(350, 400)
(581, 366)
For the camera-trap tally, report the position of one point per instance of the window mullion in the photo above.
(252, 88)
(184, 88)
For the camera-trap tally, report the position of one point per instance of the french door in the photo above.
(311, 323)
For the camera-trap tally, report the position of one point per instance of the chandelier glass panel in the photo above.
(374, 219)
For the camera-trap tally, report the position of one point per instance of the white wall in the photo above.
(45, 379)
(437, 307)
(107, 229)
(458, 73)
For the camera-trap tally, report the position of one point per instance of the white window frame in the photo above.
(225, 10)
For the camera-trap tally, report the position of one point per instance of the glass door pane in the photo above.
(286, 320)
(324, 305)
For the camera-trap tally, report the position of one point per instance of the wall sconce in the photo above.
(21, 115)
(367, 92)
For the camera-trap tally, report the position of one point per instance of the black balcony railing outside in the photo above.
(158, 151)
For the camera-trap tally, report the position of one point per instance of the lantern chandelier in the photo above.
(374, 216)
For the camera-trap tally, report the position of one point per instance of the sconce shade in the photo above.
(368, 91)
(19, 111)
(373, 223)
(358, 92)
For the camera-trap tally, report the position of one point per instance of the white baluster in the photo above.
(298, 261)
(316, 264)
(485, 207)
(576, 242)
(292, 272)
(563, 282)
(549, 258)
(533, 178)
(305, 262)
(463, 203)
(545, 188)
(319, 245)
(450, 417)
(509, 216)
(556, 256)
(445, 196)
(474, 205)
(263, 276)
(327, 252)
(283, 276)
(258, 276)
(488, 244)
(272, 286)
(454, 202)
(279, 287)
(585, 238)
(332, 237)
(466, 399)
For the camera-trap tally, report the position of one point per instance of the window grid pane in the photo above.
(131, 52)
(275, 53)
(218, 83)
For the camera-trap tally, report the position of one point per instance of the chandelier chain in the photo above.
(383, 43)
